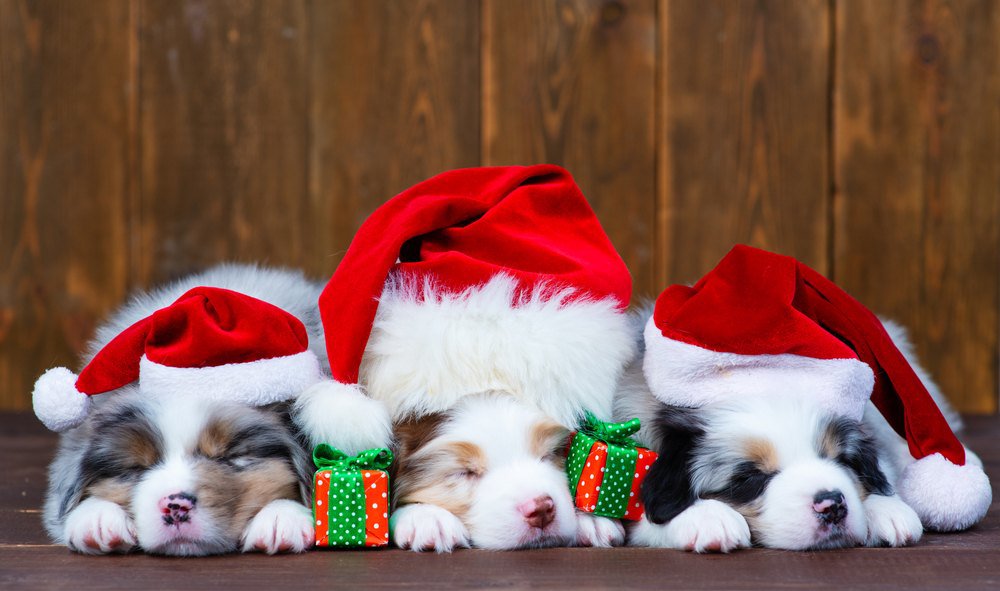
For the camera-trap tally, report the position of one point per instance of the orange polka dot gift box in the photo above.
(351, 497)
(606, 468)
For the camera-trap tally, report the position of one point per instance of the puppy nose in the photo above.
(539, 511)
(177, 508)
(829, 506)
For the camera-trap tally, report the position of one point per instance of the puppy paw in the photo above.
(891, 522)
(706, 526)
(97, 526)
(599, 532)
(281, 526)
(422, 527)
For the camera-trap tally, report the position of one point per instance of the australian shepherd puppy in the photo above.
(482, 386)
(771, 471)
(186, 476)
(488, 473)
(479, 310)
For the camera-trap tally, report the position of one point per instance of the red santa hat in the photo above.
(761, 322)
(475, 280)
(211, 343)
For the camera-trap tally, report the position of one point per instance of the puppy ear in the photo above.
(411, 435)
(667, 491)
(302, 462)
(301, 453)
(859, 452)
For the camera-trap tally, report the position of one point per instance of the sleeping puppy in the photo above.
(488, 473)
(767, 471)
(773, 471)
(186, 476)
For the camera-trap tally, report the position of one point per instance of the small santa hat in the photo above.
(474, 280)
(761, 322)
(212, 343)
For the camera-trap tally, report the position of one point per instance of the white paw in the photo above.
(421, 527)
(599, 532)
(705, 526)
(97, 526)
(891, 522)
(281, 526)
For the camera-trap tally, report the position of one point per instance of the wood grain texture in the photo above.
(225, 132)
(573, 83)
(743, 134)
(144, 139)
(66, 83)
(395, 101)
(918, 179)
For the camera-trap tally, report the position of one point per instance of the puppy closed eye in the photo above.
(442, 473)
(130, 445)
(223, 442)
(466, 459)
(467, 473)
(747, 483)
(548, 441)
(845, 443)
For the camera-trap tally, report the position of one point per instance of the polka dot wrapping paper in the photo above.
(606, 468)
(351, 498)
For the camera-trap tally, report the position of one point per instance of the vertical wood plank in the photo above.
(744, 131)
(225, 135)
(395, 100)
(66, 84)
(573, 83)
(917, 146)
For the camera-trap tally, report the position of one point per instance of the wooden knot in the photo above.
(928, 48)
(612, 12)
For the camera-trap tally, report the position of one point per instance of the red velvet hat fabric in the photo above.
(205, 327)
(759, 303)
(459, 229)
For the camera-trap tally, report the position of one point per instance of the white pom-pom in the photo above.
(343, 416)
(57, 402)
(945, 496)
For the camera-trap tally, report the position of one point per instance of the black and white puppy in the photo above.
(775, 471)
(186, 476)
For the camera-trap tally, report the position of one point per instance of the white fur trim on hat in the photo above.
(255, 383)
(342, 415)
(685, 375)
(57, 402)
(945, 496)
(428, 349)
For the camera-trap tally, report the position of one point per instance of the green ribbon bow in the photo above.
(620, 462)
(327, 457)
(345, 506)
(609, 432)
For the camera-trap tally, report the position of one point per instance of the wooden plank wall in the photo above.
(144, 139)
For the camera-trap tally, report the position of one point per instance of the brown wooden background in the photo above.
(143, 139)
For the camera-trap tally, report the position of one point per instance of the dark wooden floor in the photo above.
(970, 560)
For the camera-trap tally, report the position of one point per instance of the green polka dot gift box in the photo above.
(606, 468)
(351, 497)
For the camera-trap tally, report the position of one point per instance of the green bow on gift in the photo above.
(344, 503)
(327, 457)
(619, 462)
(609, 432)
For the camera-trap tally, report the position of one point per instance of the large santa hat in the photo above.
(476, 280)
(211, 343)
(761, 322)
